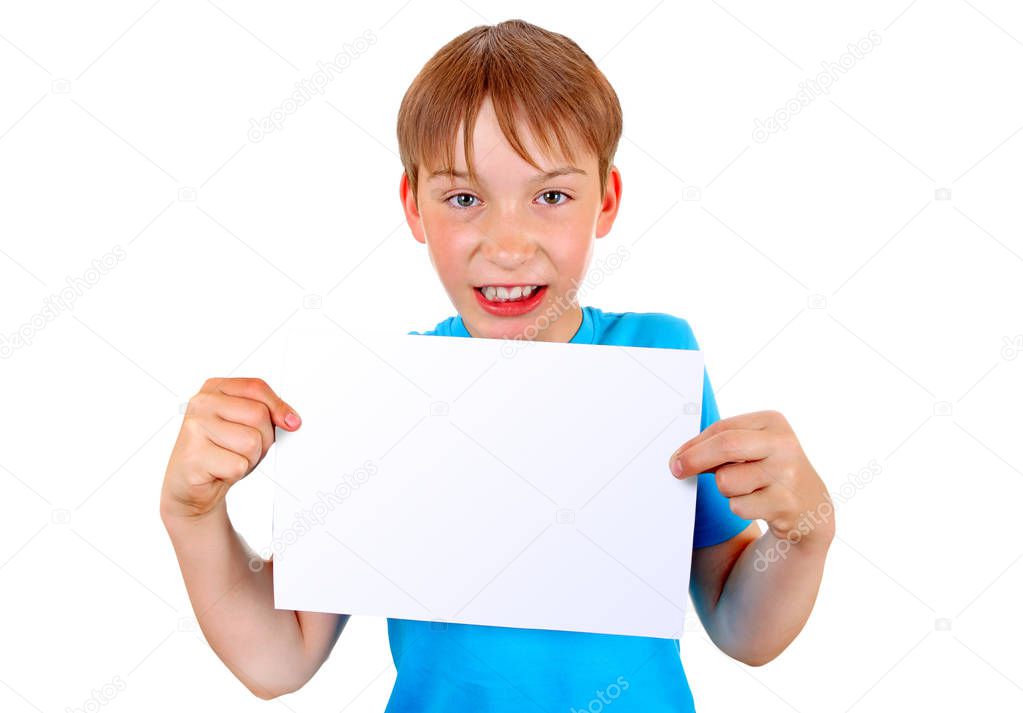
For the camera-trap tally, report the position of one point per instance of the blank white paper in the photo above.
(485, 481)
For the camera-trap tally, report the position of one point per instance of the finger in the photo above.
(212, 405)
(730, 446)
(736, 479)
(761, 504)
(248, 412)
(242, 440)
(224, 464)
(757, 420)
(281, 413)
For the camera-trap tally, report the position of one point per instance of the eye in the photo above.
(546, 194)
(459, 204)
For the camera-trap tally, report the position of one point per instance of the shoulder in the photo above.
(644, 329)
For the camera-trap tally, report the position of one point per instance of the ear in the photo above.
(412, 214)
(612, 199)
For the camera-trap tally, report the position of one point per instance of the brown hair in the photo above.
(527, 71)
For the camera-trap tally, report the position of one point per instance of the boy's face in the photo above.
(515, 227)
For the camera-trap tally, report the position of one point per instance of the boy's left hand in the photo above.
(762, 470)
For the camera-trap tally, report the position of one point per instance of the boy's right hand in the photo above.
(227, 429)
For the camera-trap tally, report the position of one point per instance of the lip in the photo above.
(510, 309)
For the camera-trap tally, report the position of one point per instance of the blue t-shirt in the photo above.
(444, 666)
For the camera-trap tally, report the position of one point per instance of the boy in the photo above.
(507, 137)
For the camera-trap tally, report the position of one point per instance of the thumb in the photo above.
(285, 416)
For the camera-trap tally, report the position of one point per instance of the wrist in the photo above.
(178, 519)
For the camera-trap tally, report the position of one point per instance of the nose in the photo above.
(507, 244)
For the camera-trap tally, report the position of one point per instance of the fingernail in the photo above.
(292, 420)
(676, 467)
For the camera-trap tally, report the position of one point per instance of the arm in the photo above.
(227, 430)
(754, 592)
(271, 651)
(752, 607)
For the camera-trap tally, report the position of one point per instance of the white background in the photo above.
(819, 271)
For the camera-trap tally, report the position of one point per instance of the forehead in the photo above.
(492, 150)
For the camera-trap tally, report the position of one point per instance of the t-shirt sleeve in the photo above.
(715, 521)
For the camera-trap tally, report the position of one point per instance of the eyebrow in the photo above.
(538, 178)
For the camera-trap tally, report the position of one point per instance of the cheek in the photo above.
(450, 246)
(445, 254)
(446, 228)
(570, 249)
(578, 261)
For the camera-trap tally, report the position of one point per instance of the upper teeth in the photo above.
(506, 293)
